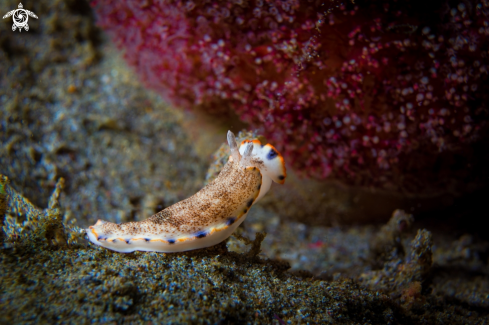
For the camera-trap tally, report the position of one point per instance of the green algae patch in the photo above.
(27, 225)
(85, 285)
(96, 285)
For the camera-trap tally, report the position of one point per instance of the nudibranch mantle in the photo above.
(207, 217)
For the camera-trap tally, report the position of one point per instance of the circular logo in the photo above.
(20, 18)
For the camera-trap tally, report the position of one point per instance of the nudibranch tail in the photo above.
(204, 219)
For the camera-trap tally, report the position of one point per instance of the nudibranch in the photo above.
(209, 216)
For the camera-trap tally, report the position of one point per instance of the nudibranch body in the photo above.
(209, 216)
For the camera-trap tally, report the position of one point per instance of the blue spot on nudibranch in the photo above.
(230, 221)
(272, 154)
(128, 241)
(281, 177)
(147, 239)
(201, 234)
(250, 202)
(171, 241)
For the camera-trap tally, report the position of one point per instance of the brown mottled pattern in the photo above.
(211, 206)
(258, 163)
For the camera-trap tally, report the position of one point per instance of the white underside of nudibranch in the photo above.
(209, 216)
(155, 245)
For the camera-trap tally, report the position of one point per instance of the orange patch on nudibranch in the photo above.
(93, 232)
(255, 141)
(161, 240)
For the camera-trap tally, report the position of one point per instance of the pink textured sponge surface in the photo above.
(390, 94)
